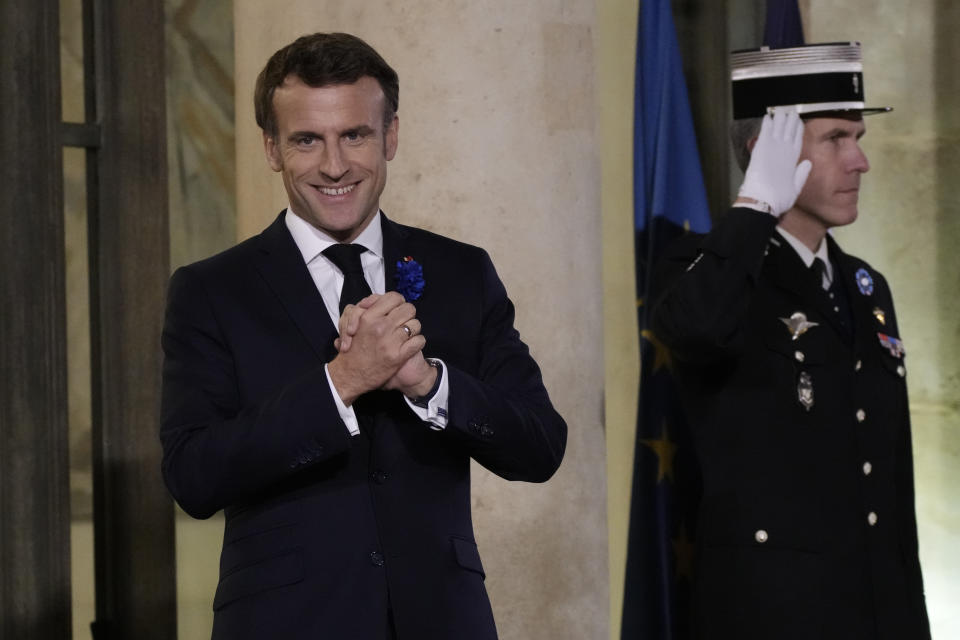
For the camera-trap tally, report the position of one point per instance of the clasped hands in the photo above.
(376, 351)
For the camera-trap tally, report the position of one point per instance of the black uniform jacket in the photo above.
(325, 531)
(807, 527)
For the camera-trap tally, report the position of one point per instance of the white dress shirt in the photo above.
(329, 280)
(808, 256)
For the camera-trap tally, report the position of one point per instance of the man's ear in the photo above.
(272, 151)
(391, 138)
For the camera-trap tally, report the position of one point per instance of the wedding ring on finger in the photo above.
(407, 330)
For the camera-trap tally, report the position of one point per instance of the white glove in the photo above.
(773, 178)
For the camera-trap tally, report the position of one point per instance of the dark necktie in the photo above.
(819, 268)
(837, 297)
(347, 259)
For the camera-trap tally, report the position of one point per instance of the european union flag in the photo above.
(669, 199)
(783, 27)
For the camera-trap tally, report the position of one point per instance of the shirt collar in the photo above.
(312, 241)
(806, 254)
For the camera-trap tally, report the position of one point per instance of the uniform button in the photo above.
(867, 468)
(837, 309)
(798, 355)
(901, 371)
(861, 415)
(379, 476)
(872, 518)
(831, 295)
(858, 366)
(376, 558)
(760, 536)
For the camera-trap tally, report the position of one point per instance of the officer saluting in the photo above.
(792, 373)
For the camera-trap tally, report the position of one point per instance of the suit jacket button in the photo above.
(379, 476)
(376, 558)
(486, 431)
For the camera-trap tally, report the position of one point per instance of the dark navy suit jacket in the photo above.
(324, 532)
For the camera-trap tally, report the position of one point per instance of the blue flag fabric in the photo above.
(783, 27)
(669, 198)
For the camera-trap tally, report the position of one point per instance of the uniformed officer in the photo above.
(792, 373)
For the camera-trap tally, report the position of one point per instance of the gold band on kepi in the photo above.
(814, 78)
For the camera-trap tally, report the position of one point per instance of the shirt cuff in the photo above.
(347, 414)
(435, 411)
(747, 202)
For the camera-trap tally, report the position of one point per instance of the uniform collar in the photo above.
(806, 254)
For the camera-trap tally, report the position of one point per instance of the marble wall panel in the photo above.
(200, 138)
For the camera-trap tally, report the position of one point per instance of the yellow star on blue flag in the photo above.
(661, 355)
(665, 450)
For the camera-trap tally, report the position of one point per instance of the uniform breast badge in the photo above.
(864, 281)
(893, 345)
(880, 315)
(797, 324)
(805, 390)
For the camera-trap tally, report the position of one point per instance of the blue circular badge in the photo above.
(864, 282)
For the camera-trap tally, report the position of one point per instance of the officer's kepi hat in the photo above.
(814, 78)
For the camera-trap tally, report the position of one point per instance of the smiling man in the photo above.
(792, 374)
(327, 382)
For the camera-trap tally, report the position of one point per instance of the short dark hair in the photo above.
(320, 60)
(742, 131)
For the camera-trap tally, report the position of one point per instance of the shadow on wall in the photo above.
(940, 574)
(947, 168)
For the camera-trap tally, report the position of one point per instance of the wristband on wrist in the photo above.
(424, 399)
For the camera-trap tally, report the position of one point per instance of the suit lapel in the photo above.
(281, 264)
(394, 245)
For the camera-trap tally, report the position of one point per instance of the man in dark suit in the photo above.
(341, 460)
(792, 373)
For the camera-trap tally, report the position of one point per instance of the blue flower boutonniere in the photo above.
(409, 278)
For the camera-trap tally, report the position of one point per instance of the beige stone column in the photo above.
(498, 147)
(909, 229)
(615, 76)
